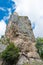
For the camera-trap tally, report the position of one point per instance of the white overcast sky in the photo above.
(34, 10)
(2, 28)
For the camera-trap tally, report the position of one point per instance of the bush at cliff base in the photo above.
(39, 45)
(11, 54)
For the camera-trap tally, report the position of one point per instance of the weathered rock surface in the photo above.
(30, 61)
(21, 26)
(2, 47)
(20, 32)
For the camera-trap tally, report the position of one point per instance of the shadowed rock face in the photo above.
(20, 32)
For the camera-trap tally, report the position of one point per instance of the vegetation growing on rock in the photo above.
(34, 63)
(4, 40)
(10, 54)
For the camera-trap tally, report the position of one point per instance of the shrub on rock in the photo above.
(11, 54)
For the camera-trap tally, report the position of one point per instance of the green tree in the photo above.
(39, 45)
(10, 55)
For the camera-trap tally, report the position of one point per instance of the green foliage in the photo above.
(34, 62)
(39, 45)
(26, 64)
(5, 40)
(11, 54)
(2, 36)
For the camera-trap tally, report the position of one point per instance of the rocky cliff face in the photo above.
(20, 25)
(20, 32)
